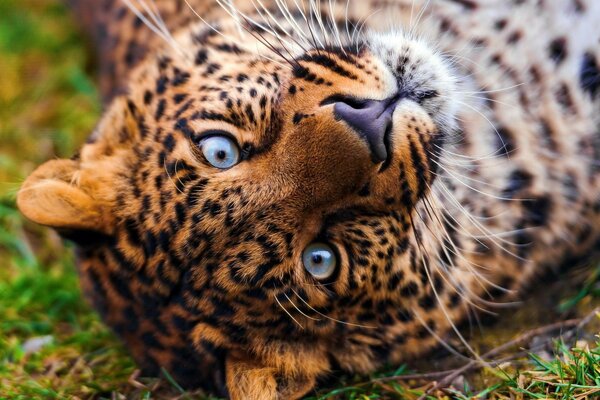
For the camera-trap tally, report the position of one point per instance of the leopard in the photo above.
(280, 189)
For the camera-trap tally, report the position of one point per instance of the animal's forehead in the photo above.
(223, 85)
(219, 83)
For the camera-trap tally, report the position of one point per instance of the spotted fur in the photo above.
(492, 177)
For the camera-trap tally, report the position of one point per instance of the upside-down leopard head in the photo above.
(252, 215)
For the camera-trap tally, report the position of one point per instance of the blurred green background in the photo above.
(52, 345)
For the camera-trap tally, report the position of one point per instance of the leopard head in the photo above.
(243, 214)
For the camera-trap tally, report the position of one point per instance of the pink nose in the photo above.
(372, 121)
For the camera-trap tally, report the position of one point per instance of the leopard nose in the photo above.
(371, 120)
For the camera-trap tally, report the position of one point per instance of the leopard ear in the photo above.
(52, 196)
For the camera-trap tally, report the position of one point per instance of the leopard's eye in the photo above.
(220, 151)
(319, 260)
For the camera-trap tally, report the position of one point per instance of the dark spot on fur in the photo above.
(505, 141)
(514, 37)
(500, 24)
(201, 57)
(563, 97)
(537, 210)
(161, 84)
(590, 75)
(517, 182)
(298, 117)
(558, 50)
(160, 109)
(148, 96)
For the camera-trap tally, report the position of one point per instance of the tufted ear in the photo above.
(248, 380)
(52, 196)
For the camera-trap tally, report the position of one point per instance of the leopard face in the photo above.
(246, 221)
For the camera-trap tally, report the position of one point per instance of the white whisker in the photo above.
(166, 36)
(413, 28)
(456, 177)
(493, 237)
(362, 27)
(298, 309)
(168, 175)
(287, 312)
(336, 32)
(439, 339)
(330, 318)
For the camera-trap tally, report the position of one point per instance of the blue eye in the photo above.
(220, 151)
(319, 260)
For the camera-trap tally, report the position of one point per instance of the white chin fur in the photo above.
(419, 67)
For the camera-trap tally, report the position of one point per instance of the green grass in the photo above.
(48, 105)
(573, 373)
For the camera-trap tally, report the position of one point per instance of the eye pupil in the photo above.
(317, 258)
(221, 154)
